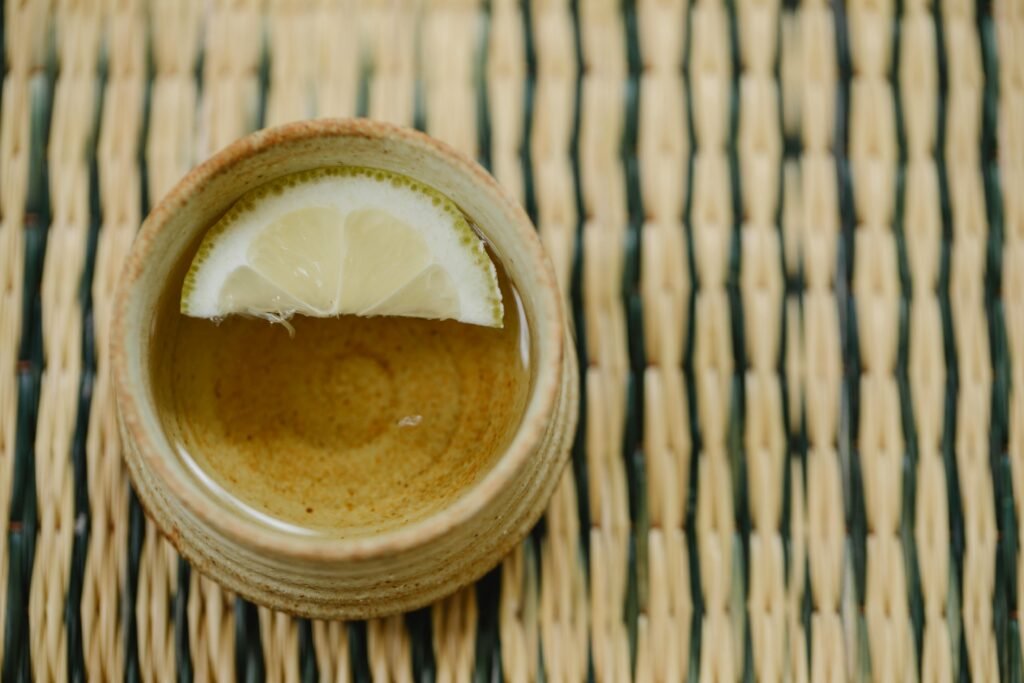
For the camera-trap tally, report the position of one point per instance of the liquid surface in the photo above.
(350, 427)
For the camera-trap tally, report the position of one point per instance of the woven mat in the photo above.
(792, 235)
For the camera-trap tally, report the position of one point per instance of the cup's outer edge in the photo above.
(145, 455)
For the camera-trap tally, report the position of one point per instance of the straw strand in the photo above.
(78, 37)
(389, 31)
(974, 370)
(663, 648)
(563, 608)
(603, 187)
(880, 442)
(761, 284)
(712, 230)
(923, 236)
(813, 195)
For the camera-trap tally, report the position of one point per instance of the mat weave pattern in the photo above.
(791, 235)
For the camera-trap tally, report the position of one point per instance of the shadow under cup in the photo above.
(380, 549)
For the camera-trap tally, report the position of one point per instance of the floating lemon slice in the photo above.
(343, 241)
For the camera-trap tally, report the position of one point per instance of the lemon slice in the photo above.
(343, 240)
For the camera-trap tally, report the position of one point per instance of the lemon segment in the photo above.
(382, 256)
(343, 241)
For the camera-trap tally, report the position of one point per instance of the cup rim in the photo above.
(133, 401)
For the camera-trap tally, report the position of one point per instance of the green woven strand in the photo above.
(357, 652)
(308, 670)
(1004, 598)
(690, 496)
(915, 600)
(526, 161)
(632, 447)
(736, 426)
(73, 620)
(22, 527)
(483, 117)
(579, 454)
(487, 660)
(249, 664)
(421, 644)
(855, 556)
(958, 657)
(363, 92)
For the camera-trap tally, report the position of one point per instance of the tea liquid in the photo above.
(350, 426)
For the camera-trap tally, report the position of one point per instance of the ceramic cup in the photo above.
(402, 568)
